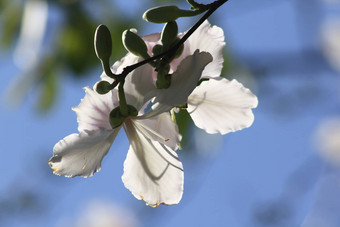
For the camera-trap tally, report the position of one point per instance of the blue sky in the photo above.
(272, 164)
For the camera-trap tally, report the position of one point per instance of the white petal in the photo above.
(153, 38)
(160, 128)
(222, 106)
(183, 81)
(94, 110)
(139, 86)
(209, 39)
(81, 154)
(152, 171)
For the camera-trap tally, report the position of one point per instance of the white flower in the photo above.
(100, 213)
(152, 170)
(327, 140)
(330, 34)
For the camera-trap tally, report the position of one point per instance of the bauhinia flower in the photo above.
(152, 170)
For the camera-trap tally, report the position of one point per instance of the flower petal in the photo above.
(152, 171)
(210, 39)
(139, 86)
(160, 128)
(183, 81)
(94, 110)
(221, 106)
(81, 154)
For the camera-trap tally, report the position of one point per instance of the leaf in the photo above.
(10, 16)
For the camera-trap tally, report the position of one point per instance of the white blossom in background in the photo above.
(28, 48)
(328, 140)
(330, 35)
(99, 213)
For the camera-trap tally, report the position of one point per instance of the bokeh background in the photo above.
(282, 171)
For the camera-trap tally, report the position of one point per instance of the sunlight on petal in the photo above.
(210, 39)
(160, 128)
(152, 171)
(81, 154)
(94, 110)
(222, 106)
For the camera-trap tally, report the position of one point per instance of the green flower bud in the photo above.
(132, 110)
(164, 14)
(103, 87)
(134, 44)
(179, 50)
(169, 33)
(163, 82)
(157, 49)
(116, 117)
(103, 43)
(163, 78)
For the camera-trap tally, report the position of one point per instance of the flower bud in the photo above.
(163, 78)
(132, 110)
(103, 87)
(163, 83)
(103, 43)
(134, 44)
(169, 33)
(157, 49)
(163, 14)
(179, 50)
(116, 117)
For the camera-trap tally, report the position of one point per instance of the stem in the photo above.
(169, 53)
(122, 101)
(107, 70)
(195, 4)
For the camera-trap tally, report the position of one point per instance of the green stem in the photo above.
(107, 69)
(122, 101)
(195, 5)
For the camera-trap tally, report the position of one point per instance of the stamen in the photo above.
(142, 128)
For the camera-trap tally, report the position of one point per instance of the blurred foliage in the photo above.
(69, 50)
(11, 16)
(183, 120)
